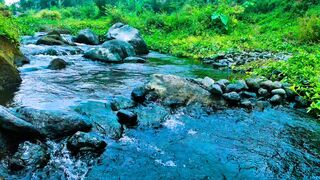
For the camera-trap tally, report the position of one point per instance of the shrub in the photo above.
(48, 14)
(309, 29)
(8, 28)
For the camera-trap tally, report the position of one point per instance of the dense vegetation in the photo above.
(198, 29)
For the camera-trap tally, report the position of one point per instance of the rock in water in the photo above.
(87, 36)
(139, 94)
(127, 118)
(177, 91)
(57, 64)
(52, 38)
(83, 142)
(28, 155)
(114, 51)
(12, 123)
(129, 34)
(55, 124)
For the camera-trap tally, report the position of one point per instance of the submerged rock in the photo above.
(29, 156)
(129, 34)
(114, 51)
(87, 36)
(84, 142)
(55, 124)
(10, 122)
(57, 64)
(134, 60)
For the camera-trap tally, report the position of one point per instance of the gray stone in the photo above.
(207, 82)
(84, 142)
(127, 118)
(280, 92)
(216, 90)
(114, 51)
(232, 96)
(129, 34)
(246, 94)
(240, 85)
(263, 93)
(276, 99)
(57, 64)
(253, 83)
(87, 36)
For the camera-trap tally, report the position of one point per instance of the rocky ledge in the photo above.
(222, 61)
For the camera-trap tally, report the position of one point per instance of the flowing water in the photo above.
(191, 143)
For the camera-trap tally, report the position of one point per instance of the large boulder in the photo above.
(114, 51)
(10, 122)
(87, 36)
(177, 91)
(9, 54)
(55, 124)
(129, 34)
(103, 117)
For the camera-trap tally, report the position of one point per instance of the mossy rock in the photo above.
(9, 52)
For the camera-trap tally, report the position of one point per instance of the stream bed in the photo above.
(190, 143)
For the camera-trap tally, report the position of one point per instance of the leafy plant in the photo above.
(48, 14)
(309, 29)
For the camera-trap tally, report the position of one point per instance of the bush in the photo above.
(48, 14)
(8, 28)
(90, 11)
(309, 29)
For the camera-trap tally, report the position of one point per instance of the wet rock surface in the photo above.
(113, 51)
(83, 142)
(55, 124)
(87, 36)
(30, 156)
(57, 64)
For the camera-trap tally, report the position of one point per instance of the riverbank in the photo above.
(190, 33)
